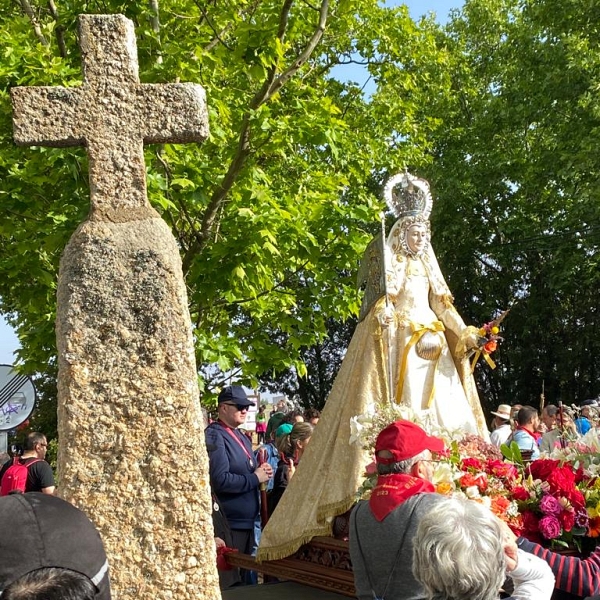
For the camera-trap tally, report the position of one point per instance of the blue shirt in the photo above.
(272, 459)
(526, 442)
(583, 425)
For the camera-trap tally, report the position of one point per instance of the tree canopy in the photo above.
(498, 109)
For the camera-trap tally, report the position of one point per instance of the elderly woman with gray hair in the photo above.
(461, 553)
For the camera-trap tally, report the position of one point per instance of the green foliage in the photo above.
(273, 211)
(321, 360)
(512, 453)
(499, 110)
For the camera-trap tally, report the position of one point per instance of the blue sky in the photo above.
(8, 343)
(418, 8)
(8, 339)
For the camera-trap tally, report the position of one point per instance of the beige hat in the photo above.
(504, 411)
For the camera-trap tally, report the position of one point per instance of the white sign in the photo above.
(17, 398)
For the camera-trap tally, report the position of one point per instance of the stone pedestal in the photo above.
(131, 443)
(132, 449)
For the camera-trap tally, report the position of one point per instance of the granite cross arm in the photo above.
(113, 115)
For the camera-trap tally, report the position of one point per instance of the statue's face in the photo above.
(416, 238)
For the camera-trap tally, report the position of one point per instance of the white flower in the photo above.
(356, 428)
(443, 473)
(513, 509)
(370, 412)
(472, 492)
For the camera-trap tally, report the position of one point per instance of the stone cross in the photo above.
(131, 443)
(113, 114)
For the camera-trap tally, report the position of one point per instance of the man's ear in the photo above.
(415, 469)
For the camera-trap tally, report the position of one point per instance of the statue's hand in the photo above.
(386, 316)
(469, 340)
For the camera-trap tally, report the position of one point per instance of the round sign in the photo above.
(17, 398)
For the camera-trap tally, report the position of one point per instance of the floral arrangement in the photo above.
(552, 501)
(475, 470)
(489, 339)
(490, 331)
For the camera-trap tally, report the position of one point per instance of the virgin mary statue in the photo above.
(409, 348)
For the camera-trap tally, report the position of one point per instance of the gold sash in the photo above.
(418, 331)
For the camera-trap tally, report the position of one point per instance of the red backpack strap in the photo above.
(36, 460)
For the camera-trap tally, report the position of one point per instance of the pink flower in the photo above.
(550, 527)
(501, 469)
(549, 505)
(371, 468)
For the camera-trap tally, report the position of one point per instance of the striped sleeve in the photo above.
(574, 575)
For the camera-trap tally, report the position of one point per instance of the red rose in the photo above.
(520, 493)
(542, 468)
(562, 479)
(531, 527)
(471, 463)
(576, 499)
(567, 519)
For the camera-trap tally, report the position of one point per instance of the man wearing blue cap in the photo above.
(235, 475)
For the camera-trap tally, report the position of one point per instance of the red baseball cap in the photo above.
(404, 440)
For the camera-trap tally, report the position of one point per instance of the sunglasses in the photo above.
(240, 407)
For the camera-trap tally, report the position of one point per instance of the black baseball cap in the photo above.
(41, 530)
(235, 394)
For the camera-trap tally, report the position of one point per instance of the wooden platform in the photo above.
(279, 591)
(324, 564)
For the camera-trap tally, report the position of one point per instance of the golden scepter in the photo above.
(387, 305)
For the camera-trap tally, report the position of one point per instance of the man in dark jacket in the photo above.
(234, 474)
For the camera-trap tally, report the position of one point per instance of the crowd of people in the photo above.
(406, 542)
(538, 433)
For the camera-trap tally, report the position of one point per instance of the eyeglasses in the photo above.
(240, 407)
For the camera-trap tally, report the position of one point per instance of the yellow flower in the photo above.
(444, 488)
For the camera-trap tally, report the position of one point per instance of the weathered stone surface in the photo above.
(131, 430)
(113, 115)
(131, 450)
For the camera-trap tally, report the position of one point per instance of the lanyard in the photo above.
(238, 441)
